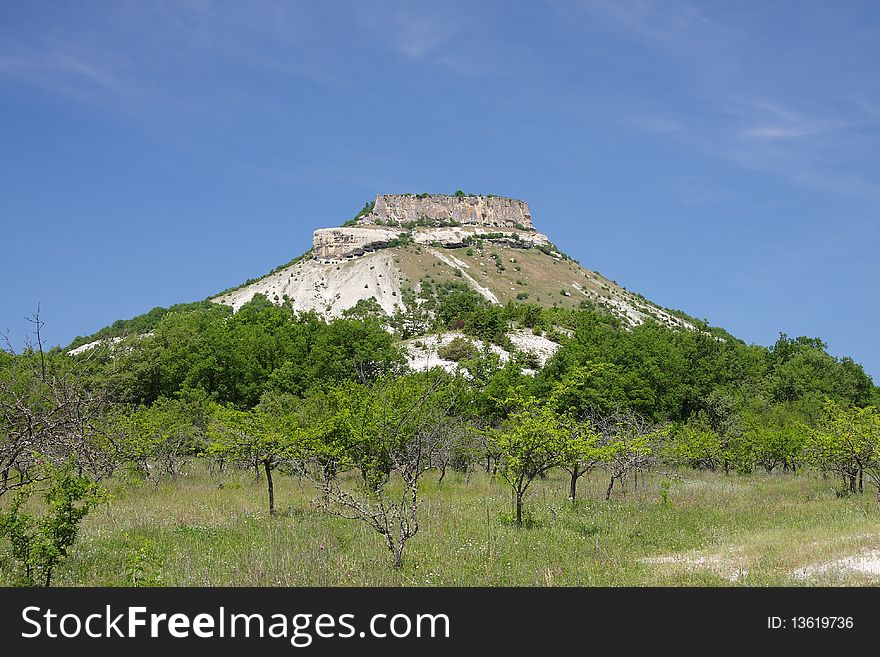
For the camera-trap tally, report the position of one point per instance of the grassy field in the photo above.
(694, 529)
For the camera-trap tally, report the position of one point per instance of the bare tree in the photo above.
(49, 415)
(456, 446)
(627, 444)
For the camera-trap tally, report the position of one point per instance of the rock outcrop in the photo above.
(440, 209)
(451, 238)
(338, 243)
(330, 244)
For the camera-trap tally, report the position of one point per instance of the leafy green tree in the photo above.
(160, 438)
(582, 450)
(493, 382)
(413, 316)
(41, 541)
(531, 441)
(847, 442)
(577, 407)
(489, 324)
(365, 309)
(455, 303)
(695, 444)
(176, 354)
(596, 388)
(776, 437)
(269, 436)
(388, 434)
(353, 350)
(803, 371)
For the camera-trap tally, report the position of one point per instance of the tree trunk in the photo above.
(608, 491)
(861, 488)
(397, 558)
(573, 484)
(442, 473)
(268, 467)
(519, 522)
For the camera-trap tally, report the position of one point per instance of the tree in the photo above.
(530, 442)
(51, 434)
(847, 442)
(776, 437)
(803, 371)
(458, 349)
(49, 414)
(160, 438)
(39, 543)
(582, 451)
(353, 350)
(583, 447)
(696, 445)
(412, 317)
(722, 414)
(266, 437)
(455, 446)
(627, 445)
(387, 432)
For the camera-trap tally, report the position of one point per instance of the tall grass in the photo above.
(694, 529)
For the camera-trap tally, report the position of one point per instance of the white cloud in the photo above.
(741, 96)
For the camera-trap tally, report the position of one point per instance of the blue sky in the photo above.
(718, 157)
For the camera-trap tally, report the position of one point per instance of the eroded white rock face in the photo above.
(327, 288)
(338, 243)
(421, 353)
(331, 244)
(485, 211)
(451, 238)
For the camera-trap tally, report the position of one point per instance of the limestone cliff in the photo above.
(338, 243)
(437, 209)
(330, 244)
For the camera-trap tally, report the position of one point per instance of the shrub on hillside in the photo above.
(457, 350)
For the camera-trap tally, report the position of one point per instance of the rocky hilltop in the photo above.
(431, 219)
(445, 209)
(401, 243)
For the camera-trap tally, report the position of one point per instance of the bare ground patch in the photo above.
(866, 562)
(727, 566)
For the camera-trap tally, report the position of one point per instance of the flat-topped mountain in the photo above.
(404, 256)
(399, 244)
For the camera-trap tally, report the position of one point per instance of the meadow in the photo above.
(678, 528)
